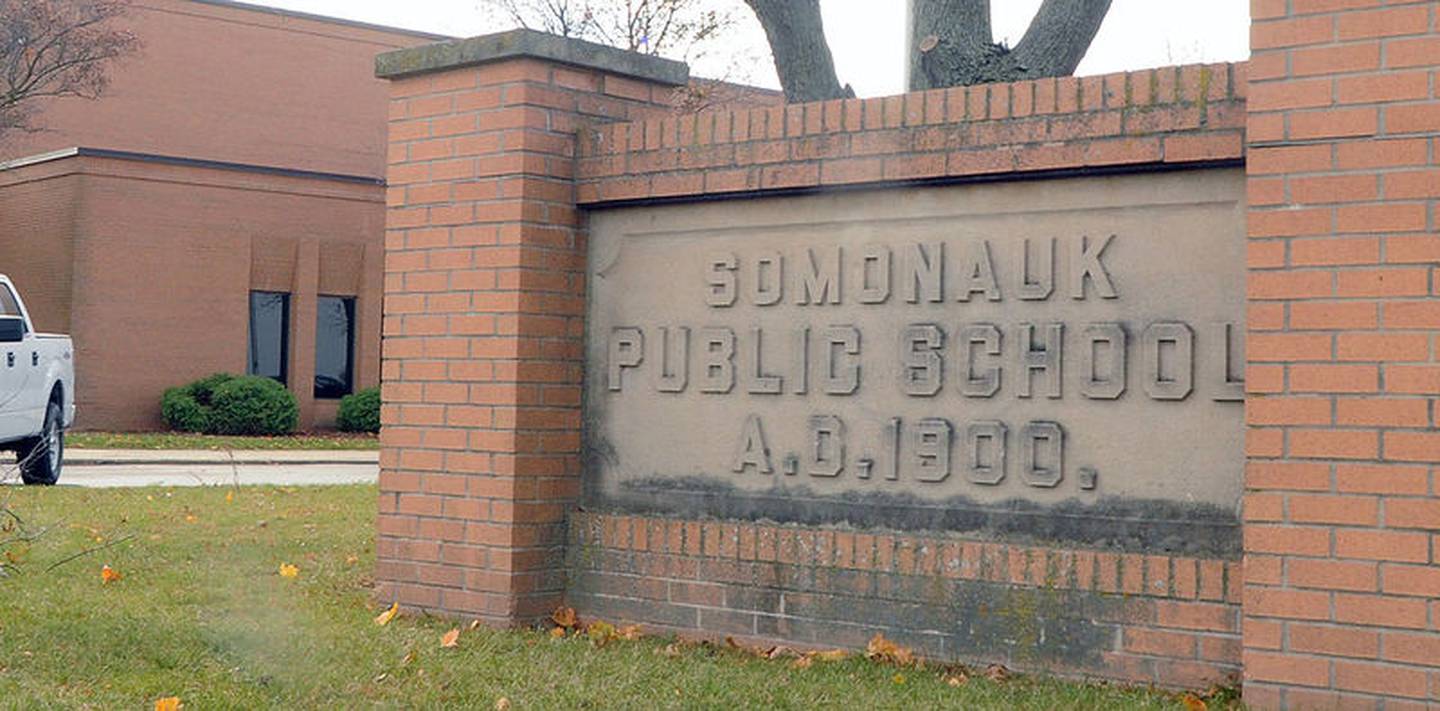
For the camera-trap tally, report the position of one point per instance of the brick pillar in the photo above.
(1342, 579)
(483, 314)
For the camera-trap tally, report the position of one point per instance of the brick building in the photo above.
(220, 208)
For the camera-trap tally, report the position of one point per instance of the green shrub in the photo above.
(182, 412)
(252, 405)
(187, 408)
(359, 411)
(231, 405)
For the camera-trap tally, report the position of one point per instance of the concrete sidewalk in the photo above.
(118, 475)
(103, 457)
(128, 457)
(192, 467)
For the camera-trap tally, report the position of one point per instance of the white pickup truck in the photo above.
(37, 390)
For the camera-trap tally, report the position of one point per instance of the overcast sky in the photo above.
(867, 36)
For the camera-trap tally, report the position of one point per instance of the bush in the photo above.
(231, 405)
(359, 411)
(253, 405)
(187, 408)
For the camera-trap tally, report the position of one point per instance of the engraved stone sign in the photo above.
(1051, 360)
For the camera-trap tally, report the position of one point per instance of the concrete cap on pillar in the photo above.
(529, 43)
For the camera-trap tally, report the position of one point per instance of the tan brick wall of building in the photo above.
(148, 263)
(37, 229)
(238, 84)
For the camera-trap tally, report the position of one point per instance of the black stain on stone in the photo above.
(1122, 524)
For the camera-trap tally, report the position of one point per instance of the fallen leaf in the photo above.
(803, 662)
(109, 575)
(899, 679)
(997, 673)
(831, 655)
(352, 559)
(1193, 703)
(502, 704)
(229, 497)
(451, 638)
(191, 518)
(384, 618)
(883, 650)
(557, 632)
(601, 633)
(474, 625)
(958, 678)
(380, 678)
(169, 703)
(671, 650)
(289, 571)
(564, 617)
(631, 632)
(409, 657)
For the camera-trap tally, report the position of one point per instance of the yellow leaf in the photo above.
(557, 632)
(109, 575)
(997, 673)
(956, 678)
(384, 618)
(502, 704)
(564, 617)
(883, 650)
(631, 632)
(451, 638)
(1193, 703)
(169, 703)
(229, 497)
(832, 655)
(803, 662)
(601, 633)
(899, 679)
(352, 559)
(191, 518)
(289, 571)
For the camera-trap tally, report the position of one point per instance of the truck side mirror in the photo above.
(12, 329)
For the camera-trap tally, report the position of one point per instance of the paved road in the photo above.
(116, 468)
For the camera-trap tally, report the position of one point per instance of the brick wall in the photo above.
(1159, 117)
(484, 299)
(1143, 618)
(495, 156)
(1341, 513)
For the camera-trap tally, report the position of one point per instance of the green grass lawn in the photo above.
(202, 613)
(185, 440)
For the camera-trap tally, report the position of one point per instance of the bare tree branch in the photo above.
(55, 48)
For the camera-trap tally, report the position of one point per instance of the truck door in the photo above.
(14, 372)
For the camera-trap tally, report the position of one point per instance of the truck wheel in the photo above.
(41, 459)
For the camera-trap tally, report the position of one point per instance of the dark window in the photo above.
(269, 333)
(334, 346)
(8, 305)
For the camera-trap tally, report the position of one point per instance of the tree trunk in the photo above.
(802, 56)
(952, 45)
